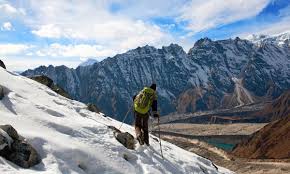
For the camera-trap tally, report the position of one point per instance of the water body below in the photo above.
(224, 146)
(225, 142)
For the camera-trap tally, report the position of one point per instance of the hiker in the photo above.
(146, 99)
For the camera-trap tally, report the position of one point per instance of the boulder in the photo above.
(16, 149)
(2, 64)
(125, 138)
(1, 92)
(10, 131)
(5, 143)
(23, 154)
(93, 108)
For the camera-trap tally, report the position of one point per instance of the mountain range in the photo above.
(212, 74)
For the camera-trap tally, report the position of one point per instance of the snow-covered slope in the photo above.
(282, 39)
(71, 139)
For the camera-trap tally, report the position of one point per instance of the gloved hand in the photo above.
(155, 115)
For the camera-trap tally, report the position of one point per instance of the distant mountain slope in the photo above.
(272, 141)
(213, 74)
(253, 113)
(277, 109)
(71, 139)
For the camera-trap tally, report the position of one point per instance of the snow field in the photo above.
(71, 139)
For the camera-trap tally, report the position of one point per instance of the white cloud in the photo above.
(268, 29)
(49, 31)
(92, 21)
(80, 51)
(15, 63)
(203, 15)
(7, 9)
(274, 28)
(143, 9)
(13, 49)
(93, 29)
(6, 26)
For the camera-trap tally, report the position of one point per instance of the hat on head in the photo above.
(153, 86)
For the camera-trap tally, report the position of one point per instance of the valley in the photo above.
(223, 136)
(252, 138)
(194, 138)
(238, 165)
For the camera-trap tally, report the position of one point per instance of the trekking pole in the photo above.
(126, 116)
(160, 138)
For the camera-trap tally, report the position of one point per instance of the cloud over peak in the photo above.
(203, 15)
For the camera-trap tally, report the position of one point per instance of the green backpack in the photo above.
(143, 100)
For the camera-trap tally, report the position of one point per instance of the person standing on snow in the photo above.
(146, 99)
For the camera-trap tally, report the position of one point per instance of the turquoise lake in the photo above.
(224, 146)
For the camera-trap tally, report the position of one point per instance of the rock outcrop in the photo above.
(1, 92)
(93, 108)
(2, 64)
(15, 149)
(49, 83)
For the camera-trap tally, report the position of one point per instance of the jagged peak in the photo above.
(147, 49)
(174, 49)
(173, 45)
(203, 41)
(238, 39)
(88, 62)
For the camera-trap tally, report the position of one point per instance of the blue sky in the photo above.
(34, 32)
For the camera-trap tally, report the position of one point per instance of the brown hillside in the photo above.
(275, 110)
(270, 142)
(279, 107)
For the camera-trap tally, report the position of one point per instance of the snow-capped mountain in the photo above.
(279, 39)
(71, 139)
(88, 62)
(213, 74)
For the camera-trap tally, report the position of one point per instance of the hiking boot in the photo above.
(140, 140)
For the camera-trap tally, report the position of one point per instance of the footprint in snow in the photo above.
(50, 111)
(59, 103)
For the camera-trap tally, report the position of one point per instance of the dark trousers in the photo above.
(141, 126)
